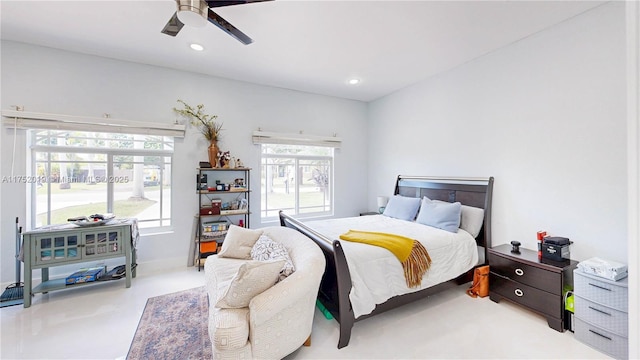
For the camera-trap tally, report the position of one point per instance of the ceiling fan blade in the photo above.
(219, 3)
(225, 26)
(173, 26)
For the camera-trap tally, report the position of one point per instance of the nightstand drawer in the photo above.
(600, 339)
(541, 301)
(605, 292)
(528, 275)
(602, 316)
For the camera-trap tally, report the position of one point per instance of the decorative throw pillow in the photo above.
(253, 278)
(267, 249)
(471, 219)
(441, 215)
(402, 207)
(238, 242)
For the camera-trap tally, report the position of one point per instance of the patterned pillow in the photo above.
(267, 249)
(253, 278)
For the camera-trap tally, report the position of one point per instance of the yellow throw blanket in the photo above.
(412, 255)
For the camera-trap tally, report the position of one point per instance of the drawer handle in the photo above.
(599, 287)
(519, 272)
(597, 333)
(518, 292)
(598, 310)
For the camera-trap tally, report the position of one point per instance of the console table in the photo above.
(65, 244)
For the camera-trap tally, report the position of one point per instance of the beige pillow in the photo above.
(253, 278)
(238, 242)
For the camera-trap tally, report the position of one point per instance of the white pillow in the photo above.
(440, 214)
(267, 249)
(471, 219)
(238, 242)
(253, 278)
(402, 207)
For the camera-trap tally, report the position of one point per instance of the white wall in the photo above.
(545, 116)
(633, 169)
(54, 81)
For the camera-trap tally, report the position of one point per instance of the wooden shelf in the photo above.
(223, 169)
(242, 190)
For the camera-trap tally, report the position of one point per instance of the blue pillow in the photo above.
(402, 207)
(441, 215)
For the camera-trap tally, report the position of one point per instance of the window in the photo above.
(296, 179)
(84, 173)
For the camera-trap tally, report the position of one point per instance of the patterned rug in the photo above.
(173, 326)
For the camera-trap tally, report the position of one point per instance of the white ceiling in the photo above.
(311, 46)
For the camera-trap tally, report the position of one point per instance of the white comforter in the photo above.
(377, 275)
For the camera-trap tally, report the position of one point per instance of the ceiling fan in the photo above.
(197, 12)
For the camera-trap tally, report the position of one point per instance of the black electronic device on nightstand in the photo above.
(535, 284)
(369, 213)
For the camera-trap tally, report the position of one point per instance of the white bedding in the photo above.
(377, 275)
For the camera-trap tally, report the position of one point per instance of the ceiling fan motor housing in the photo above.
(192, 12)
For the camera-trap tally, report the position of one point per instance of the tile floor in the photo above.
(98, 322)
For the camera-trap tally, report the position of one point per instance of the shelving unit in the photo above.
(223, 199)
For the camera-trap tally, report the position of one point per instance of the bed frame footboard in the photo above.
(336, 281)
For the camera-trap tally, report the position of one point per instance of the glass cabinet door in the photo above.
(102, 242)
(56, 248)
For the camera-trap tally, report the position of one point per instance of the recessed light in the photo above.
(354, 81)
(197, 47)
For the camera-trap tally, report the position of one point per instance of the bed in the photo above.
(342, 279)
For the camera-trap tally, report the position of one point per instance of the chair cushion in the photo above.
(229, 328)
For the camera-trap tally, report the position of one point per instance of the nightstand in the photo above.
(531, 283)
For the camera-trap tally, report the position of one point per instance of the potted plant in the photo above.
(206, 124)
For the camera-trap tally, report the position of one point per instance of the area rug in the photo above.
(173, 326)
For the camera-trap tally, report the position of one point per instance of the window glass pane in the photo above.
(277, 188)
(75, 188)
(315, 193)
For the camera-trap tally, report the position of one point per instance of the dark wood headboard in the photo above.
(476, 192)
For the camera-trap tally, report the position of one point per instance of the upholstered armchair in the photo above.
(279, 315)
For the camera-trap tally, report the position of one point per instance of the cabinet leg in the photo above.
(44, 274)
(495, 298)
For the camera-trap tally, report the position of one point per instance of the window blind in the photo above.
(32, 120)
(264, 137)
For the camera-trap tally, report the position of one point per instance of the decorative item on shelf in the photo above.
(382, 203)
(239, 164)
(207, 126)
(223, 159)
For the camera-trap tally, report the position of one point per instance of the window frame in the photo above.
(109, 153)
(296, 164)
